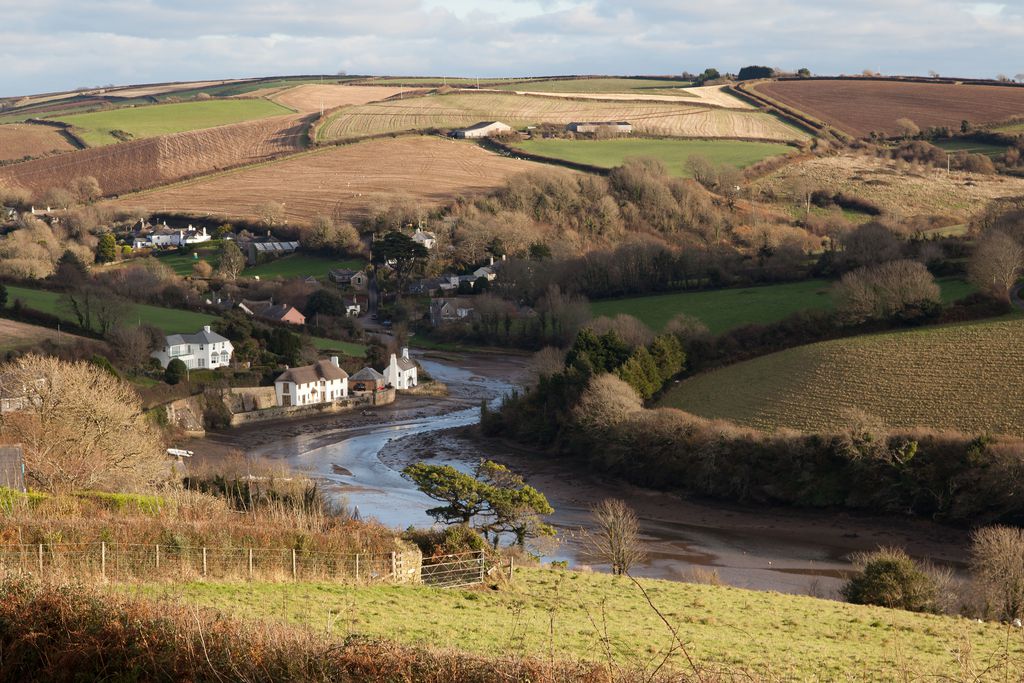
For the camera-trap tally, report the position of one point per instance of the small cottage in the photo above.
(401, 373)
(322, 382)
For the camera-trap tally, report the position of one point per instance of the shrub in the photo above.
(175, 372)
(890, 578)
(997, 563)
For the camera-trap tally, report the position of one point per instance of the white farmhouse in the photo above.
(322, 382)
(427, 239)
(401, 372)
(204, 350)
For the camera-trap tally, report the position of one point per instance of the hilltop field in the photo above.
(961, 377)
(351, 180)
(21, 140)
(463, 109)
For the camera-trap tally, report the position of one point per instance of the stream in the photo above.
(765, 549)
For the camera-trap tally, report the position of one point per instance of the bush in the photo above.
(175, 372)
(891, 578)
(449, 540)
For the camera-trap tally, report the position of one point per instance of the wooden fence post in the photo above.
(158, 557)
(394, 568)
(40, 560)
(481, 566)
(357, 567)
(103, 558)
(204, 560)
(295, 569)
(250, 563)
(511, 568)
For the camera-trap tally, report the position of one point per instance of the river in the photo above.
(765, 549)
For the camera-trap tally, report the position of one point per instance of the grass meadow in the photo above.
(301, 265)
(673, 153)
(962, 377)
(145, 122)
(170, 320)
(552, 613)
(724, 309)
(971, 147)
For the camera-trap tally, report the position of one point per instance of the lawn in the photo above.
(347, 348)
(170, 320)
(604, 85)
(182, 264)
(971, 147)
(724, 309)
(144, 122)
(564, 614)
(302, 265)
(673, 153)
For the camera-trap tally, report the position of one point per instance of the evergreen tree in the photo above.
(175, 372)
(107, 250)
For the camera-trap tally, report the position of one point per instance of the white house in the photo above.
(401, 372)
(483, 129)
(171, 237)
(427, 239)
(486, 272)
(204, 349)
(322, 382)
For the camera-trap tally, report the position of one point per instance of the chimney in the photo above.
(394, 359)
(334, 361)
(492, 261)
(405, 352)
(502, 257)
(206, 328)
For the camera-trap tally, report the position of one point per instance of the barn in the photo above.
(483, 129)
(600, 126)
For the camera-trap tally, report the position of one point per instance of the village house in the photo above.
(204, 350)
(349, 278)
(450, 310)
(401, 373)
(268, 310)
(600, 126)
(427, 239)
(483, 129)
(166, 237)
(366, 381)
(321, 382)
(486, 272)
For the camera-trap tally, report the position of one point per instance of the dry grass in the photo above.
(449, 111)
(148, 90)
(20, 140)
(861, 106)
(351, 180)
(712, 95)
(309, 97)
(900, 189)
(147, 163)
(963, 377)
(17, 335)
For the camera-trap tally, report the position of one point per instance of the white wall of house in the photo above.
(196, 354)
(321, 391)
(399, 377)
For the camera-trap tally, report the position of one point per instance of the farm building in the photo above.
(204, 349)
(484, 129)
(401, 373)
(260, 249)
(322, 382)
(600, 126)
(366, 380)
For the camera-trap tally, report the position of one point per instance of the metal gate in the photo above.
(451, 571)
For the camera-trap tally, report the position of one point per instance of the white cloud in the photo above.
(57, 44)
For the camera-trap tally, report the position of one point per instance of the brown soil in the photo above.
(861, 106)
(351, 180)
(309, 98)
(141, 164)
(20, 140)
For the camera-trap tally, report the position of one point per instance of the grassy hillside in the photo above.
(965, 377)
(556, 613)
(145, 122)
(673, 153)
(640, 86)
(301, 265)
(724, 309)
(170, 320)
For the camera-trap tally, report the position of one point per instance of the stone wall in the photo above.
(187, 415)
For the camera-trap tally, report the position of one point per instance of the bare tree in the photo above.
(996, 264)
(81, 427)
(232, 262)
(907, 128)
(997, 564)
(271, 213)
(884, 290)
(606, 402)
(616, 541)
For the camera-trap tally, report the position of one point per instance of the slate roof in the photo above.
(367, 374)
(276, 312)
(200, 337)
(406, 363)
(308, 374)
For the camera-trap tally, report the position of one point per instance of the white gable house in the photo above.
(427, 239)
(203, 350)
(401, 372)
(322, 382)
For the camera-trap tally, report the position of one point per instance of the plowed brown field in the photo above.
(861, 106)
(147, 163)
(308, 98)
(350, 180)
(20, 140)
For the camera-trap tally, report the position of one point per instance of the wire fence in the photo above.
(125, 562)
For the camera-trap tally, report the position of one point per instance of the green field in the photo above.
(971, 147)
(170, 320)
(547, 613)
(724, 309)
(637, 86)
(347, 348)
(302, 265)
(963, 377)
(144, 122)
(673, 153)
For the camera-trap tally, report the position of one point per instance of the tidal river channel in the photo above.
(760, 548)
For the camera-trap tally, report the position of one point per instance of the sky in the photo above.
(52, 45)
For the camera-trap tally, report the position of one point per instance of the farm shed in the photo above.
(483, 129)
(597, 126)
